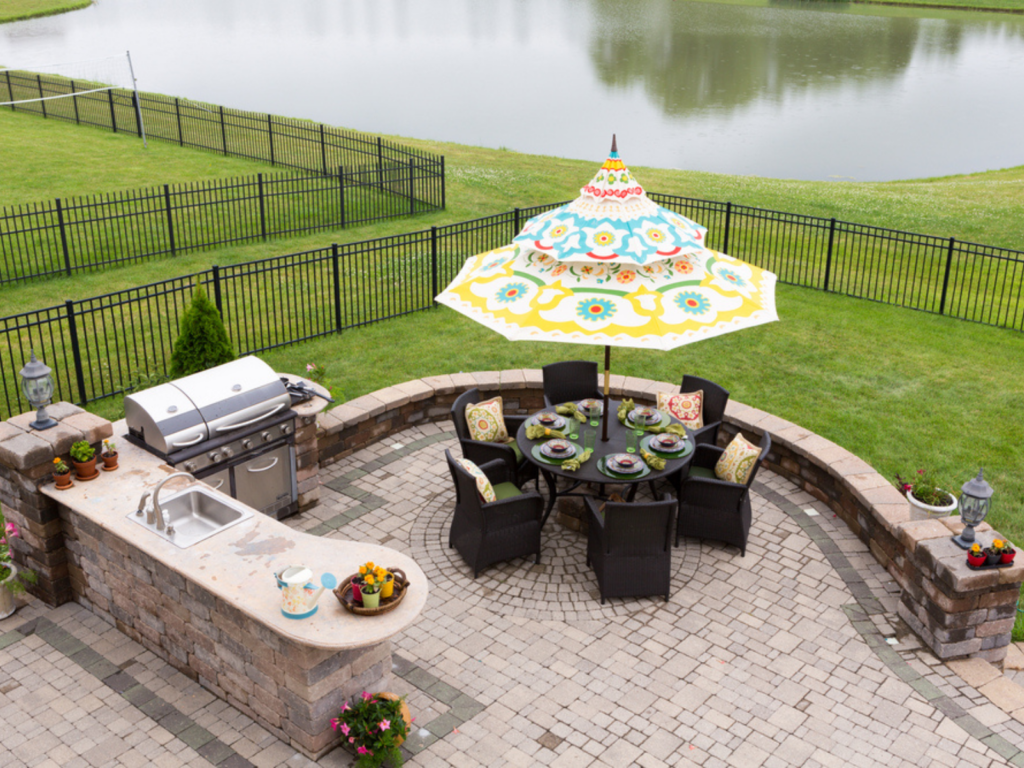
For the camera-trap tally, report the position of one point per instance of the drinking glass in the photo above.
(589, 439)
(631, 441)
(595, 415)
(573, 428)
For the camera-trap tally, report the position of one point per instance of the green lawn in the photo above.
(13, 10)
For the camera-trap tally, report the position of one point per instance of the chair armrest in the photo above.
(706, 455)
(705, 491)
(513, 423)
(525, 507)
(596, 518)
(706, 434)
(481, 453)
(497, 471)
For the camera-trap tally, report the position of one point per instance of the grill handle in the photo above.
(271, 465)
(198, 439)
(271, 412)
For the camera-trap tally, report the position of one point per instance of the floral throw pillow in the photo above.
(486, 421)
(483, 485)
(688, 407)
(736, 463)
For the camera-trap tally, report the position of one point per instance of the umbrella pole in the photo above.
(607, 382)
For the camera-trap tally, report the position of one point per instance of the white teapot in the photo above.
(298, 595)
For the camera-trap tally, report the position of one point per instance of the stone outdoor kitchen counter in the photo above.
(238, 564)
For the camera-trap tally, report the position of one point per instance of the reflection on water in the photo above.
(793, 89)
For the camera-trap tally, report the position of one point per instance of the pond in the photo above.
(793, 90)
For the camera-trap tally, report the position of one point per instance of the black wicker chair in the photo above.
(710, 508)
(480, 452)
(715, 399)
(573, 380)
(629, 547)
(489, 532)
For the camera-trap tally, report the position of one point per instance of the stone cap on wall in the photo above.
(24, 448)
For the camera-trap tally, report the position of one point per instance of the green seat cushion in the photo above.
(506, 491)
(519, 452)
(700, 472)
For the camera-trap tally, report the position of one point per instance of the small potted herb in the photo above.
(975, 556)
(83, 456)
(61, 474)
(109, 455)
(1008, 553)
(374, 726)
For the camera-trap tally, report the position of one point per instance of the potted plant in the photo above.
(373, 577)
(61, 474)
(12, 579)
(1008, 553)
(994, 552)
(83, 456)
(926, 496)
(975, 556)
(109, 455)
(374, 726)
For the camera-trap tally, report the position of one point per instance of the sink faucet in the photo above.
(157, 512)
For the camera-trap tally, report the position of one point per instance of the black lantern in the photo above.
(975, 499)
(37, 385)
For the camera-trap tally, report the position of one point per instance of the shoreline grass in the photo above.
(19, 10)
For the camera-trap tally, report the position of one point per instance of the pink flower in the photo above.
(385, 724)
(12, 529)
(920, 471)
(351, 739)
(310, 367)
(334, 725)
(345, 729)
(366, 696)
(363, 751)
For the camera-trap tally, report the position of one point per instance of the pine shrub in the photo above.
(203, 341)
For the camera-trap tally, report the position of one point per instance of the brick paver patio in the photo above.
(790, 656)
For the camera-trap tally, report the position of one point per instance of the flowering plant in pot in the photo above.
(374, 725)
(61, 473)
(373, 578)
(109, 455)
(994, 552)
(975, 556)
(926, 494)
(1008, 552)
(83, 456)
(12, 578)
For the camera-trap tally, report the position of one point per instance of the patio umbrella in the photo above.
(677, 294)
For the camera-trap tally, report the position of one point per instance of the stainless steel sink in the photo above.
(194, 514)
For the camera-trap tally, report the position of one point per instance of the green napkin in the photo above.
(536, 432)
(571, 465)
(675, 429)
(654, 462)
(624, 408)
(567, 409)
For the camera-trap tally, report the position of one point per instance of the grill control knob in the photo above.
(265, 436)
(227, 452)
(213, 456)
(190, 466)
(247, 444)
(284, 429)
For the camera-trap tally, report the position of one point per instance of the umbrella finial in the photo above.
(615, 148)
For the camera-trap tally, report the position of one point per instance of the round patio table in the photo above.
(589, 472)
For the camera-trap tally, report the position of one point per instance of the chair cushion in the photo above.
(486, 421)
(688, 407)
(483, 485)
(519, 451)
(702, 472)
(736, 463)
(506, 491)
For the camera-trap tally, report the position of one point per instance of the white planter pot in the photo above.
(7, 605)
(921, 511)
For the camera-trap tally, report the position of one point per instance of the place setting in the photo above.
(644, 417)
(556, 451)
(668, 445)
(549, 419)
(623, 466)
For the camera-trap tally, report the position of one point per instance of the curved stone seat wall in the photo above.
(956, 611)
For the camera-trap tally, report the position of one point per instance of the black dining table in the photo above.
(589, 473)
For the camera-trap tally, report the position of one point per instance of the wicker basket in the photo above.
(344, 595)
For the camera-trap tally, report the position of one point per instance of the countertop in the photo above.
(238, 564)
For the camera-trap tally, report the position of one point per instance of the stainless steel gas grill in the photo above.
(231, 427)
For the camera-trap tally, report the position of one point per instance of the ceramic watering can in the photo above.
(298, 595)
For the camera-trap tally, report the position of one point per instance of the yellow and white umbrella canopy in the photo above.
(525, 294)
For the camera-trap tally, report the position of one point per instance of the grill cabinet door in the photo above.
(265, 481)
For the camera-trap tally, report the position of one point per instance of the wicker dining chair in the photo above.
(715, 400)
(485, 533)
(480, 452)
(629, 547)
(572, 380)
(710, 508)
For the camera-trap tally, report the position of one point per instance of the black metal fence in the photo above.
(84, 233)
(98, 346)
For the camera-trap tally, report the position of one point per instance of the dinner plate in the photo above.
(684, 449)
(550, 449)
(645, 415)
(557, 423)
(605, 469)
(625, 463)
(589, 403)
(668, 442)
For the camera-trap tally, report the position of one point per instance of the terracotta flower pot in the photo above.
(62, 481)
(406, 714)
(109, 461)
(85, 470)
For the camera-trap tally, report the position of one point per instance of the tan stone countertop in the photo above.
(238, 564)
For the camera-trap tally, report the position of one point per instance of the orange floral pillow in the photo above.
(688, 407)
(737, 462)
(486, 421)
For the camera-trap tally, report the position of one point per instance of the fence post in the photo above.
(337, 287)
(945, 279)
(223, 131)
(10, 91)
(42, 98)
(433, 264)
(270, 132)
(177, 114)
(728, 218)
(63, 238)
(341, 193)
(828, 256)
(74, 100)
(323, 149)
(263, 213)
(442, 182)
(515, 223)
(135, 109)
(113, 114)
(76, 352)
(170, 218)
(216, 289)
(412, 200)
(380, 164)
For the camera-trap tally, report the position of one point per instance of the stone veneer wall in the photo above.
(956, 611)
